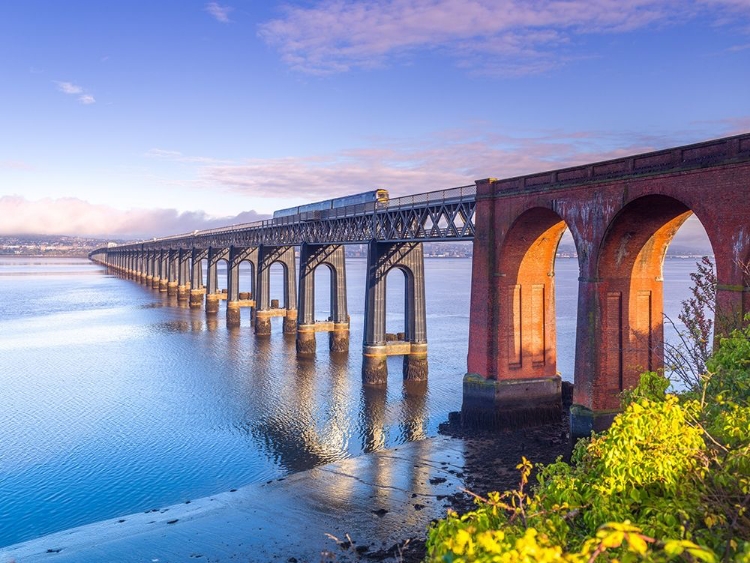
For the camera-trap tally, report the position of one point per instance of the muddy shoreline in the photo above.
(491, 458)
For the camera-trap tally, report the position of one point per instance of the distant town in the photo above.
(48, 245)
(57, 246)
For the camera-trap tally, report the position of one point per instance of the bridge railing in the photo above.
(451, 195)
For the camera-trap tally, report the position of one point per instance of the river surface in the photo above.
(114, 399)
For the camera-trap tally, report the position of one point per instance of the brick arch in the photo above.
(527, 338)
(629, 272)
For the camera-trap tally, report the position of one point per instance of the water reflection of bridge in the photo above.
(622, 214)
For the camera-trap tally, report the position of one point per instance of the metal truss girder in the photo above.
(428, 220)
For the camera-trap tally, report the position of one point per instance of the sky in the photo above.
(136, 119)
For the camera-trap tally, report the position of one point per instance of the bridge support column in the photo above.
(415, 363)
(235, 299)
(337, 325)
(163, 271)
(183, 275)
(156, 269)
(512, 375)
(338, 338)
(196, 298)
(173, 257)
(212, 303)
(374, 365)
(213, 295)
(139, 266)
(289, 325)
(144, 267)
(268, 255)
(377, 346)
(197, 291)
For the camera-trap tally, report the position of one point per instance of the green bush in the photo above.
(670, 480)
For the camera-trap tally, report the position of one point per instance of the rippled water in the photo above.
(115, 400)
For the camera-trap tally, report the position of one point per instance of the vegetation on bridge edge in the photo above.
(669, 481)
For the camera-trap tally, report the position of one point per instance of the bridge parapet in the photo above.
(710, 153)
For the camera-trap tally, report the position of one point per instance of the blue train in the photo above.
(320, 210)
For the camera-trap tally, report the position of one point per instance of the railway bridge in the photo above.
(622, 215)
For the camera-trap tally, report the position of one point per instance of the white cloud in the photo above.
(508, 36)
(69, 88)
(219, 12)
(445, 160)
(74, 89)
(71, 216)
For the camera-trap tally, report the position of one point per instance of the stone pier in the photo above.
(267, 256)
(381, 259)
(337, 324)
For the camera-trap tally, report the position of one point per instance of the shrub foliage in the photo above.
(669, 481)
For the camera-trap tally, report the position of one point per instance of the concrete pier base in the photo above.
(262, 323)
(510, 403)
(290, 321)
(415, 363)
(155, 282)
(374, 365)
(149, 281)
(183, 292)
(171, 288)
(338, 340)
(233, 314)
(212, 303)
(306, 343)
(196, 298)
(583, 421)
(163, 285)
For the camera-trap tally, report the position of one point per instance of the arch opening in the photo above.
(631, 272)
(278, 291)
(527, 339)
(246, 278)
(398, 320)
(204, 271)
(325, 287)
(222, 273)
(689, 304)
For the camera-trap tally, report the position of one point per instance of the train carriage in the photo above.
(322, 209)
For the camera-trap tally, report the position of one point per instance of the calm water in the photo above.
(115, 400)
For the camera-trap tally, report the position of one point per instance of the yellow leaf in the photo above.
(637, 543)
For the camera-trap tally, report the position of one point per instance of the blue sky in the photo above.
(130, 119)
